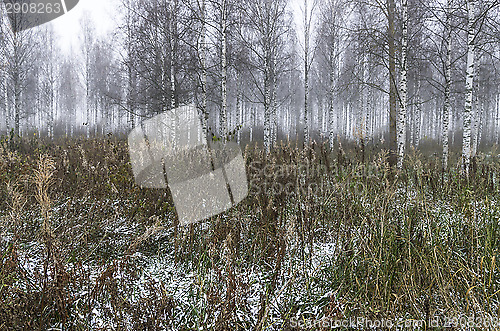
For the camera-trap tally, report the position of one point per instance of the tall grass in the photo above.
(324, 234)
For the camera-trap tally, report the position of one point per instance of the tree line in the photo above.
(392, 71)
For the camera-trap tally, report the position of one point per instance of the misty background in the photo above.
(260, 70)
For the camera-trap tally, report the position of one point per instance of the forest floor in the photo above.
(324, 239)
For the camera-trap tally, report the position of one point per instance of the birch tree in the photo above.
(391, 32)
(469, 85)
(69, 93)
(20, 50)
(222, 8)
(497, 103)
(447, 78)
(223, 31)
(130, 62)
(4, 66)
(49, 77)
(264, 37)
(164, 47)
(172, 30)
(404, 86)
(333, 20)
(203, 62)
(307, 65)
(88, 40)
(308, 57)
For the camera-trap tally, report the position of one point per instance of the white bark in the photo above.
(17, 85)
(252, 122)
(404, 87)
(88, 43)
(306, 72)
(366, 97)
(275, 105)
(480, 126)
(370, 107)
(172, 30)
(172, 77)
(452, 127)
(469, 84)
(50, 85)
(447, 78)
(131, 73)
(331, 109)
(268, 79)
(322, 114)
(267, 113)
(52, 109)
(6, 98)
(418, 115)
(498, 119)
(475, 121)
(223, 27)
(239, 118)
(203, 59)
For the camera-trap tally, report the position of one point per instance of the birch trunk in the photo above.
(252, 122)
(418, 115)
(404, 87)
(478, 125)
(306, 74)
(475, 111)
(131, 73)
(4, 77)
(267, 101)
(239, 112)
(172, 27)
(17, 85)
(498, 119)
(172, 80)
(223, 27)
(6, 99)
(366, 98)
(370, 107)
(331, 109)
(267, 116)
(130, 91)
(203, 58)
(469, 84)
(51, 111)
(88, 41)
(51, 82)
(275, 105)
(475, 123)
(447, 78)
(452, 127)
(393, 143)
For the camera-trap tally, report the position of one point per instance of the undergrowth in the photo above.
(323, 234)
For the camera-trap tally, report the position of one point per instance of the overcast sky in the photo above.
(105, 16)
(103, 13)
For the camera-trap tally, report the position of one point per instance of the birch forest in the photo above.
(397, 74)
(370, 136)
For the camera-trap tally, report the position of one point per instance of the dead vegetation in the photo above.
(321, 235)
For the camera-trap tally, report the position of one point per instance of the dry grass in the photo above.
(83, 248)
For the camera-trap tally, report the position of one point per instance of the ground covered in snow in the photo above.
(351, 243)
